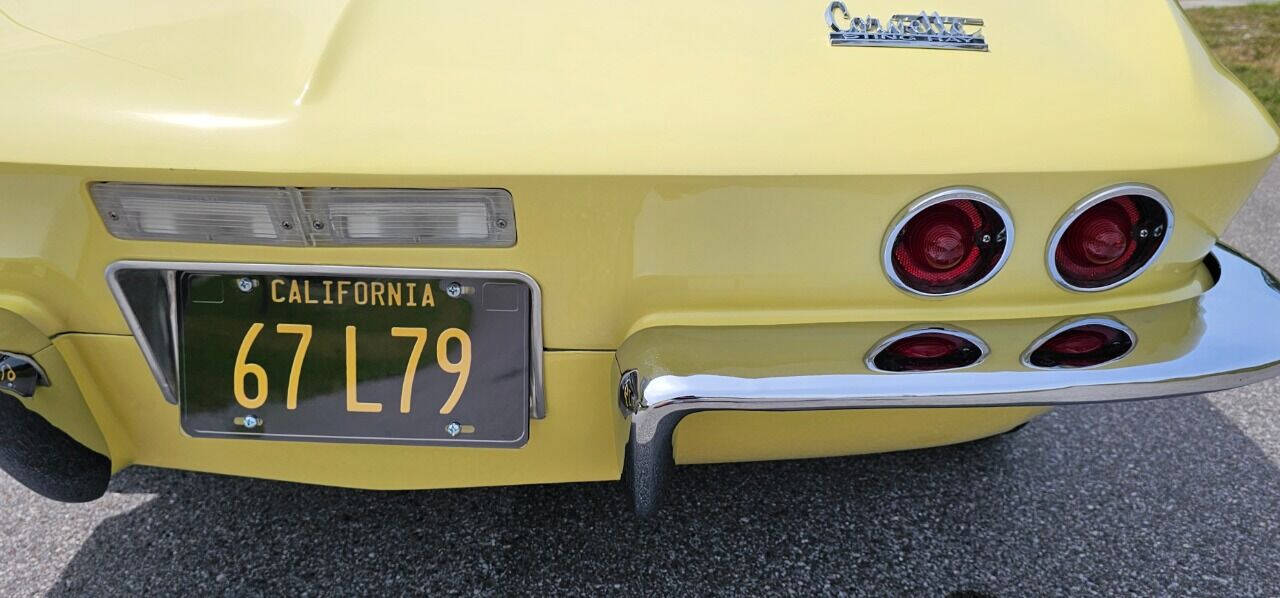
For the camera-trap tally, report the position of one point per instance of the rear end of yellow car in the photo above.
(710, 224)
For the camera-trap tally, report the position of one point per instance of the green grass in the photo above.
(1246, 40)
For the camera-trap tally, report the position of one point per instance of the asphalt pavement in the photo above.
(1173, 497)
(1216, 3)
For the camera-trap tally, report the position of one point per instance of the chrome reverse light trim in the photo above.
(870, 359)
(146, 292)
(934, 198)
(1093, 200)
(1072, 323)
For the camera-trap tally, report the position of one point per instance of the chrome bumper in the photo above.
(1219, 340)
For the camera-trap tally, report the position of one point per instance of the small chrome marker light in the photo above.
(1080, 343)
(926, 350)
(1109, 238)
(948, 242)
(299, 217)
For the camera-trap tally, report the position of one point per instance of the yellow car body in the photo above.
(671, 165)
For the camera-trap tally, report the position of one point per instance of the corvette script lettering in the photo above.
(922, 30)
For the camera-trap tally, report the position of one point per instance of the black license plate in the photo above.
(368, 359)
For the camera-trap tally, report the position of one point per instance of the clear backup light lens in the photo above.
(472, 217)
(322, 216)
(254, 215)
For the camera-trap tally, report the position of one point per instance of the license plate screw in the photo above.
(453, 290)
(454, 428)
(250, 421)
(246, 284)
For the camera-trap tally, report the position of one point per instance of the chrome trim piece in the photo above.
(146, 299)
(910, 331)
(937, 197)
(1089, 202)
(138, 311)
(922, 30)
(1072, 323)
(680, 371)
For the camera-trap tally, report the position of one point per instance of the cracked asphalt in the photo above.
(1174, 497)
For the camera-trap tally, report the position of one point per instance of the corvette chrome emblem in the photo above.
(923, 30)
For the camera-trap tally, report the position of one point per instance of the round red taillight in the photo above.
(926, 350)
(948, 242)
(1081, 344)
(1109, 238)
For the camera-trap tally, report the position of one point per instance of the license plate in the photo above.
(366, 359)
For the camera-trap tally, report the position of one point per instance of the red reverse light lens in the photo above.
(948, 246)
(1079, 341)
(927, 351)
(1110, 241)
(1082, 346)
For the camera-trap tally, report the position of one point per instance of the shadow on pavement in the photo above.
(1151, 498)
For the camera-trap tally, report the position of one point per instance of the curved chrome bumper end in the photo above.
(668, 373)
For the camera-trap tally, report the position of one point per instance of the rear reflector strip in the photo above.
(311, 216)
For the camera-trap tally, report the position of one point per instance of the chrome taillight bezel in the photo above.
(1083, 206)
(1073, 323)
(933, 198)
